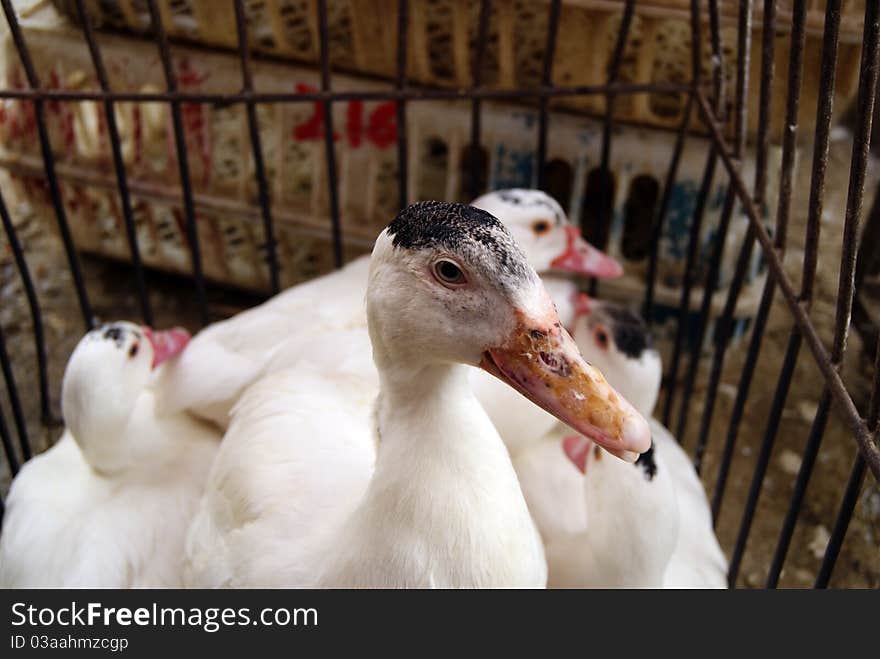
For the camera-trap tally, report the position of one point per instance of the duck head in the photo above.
(546, 236)
(617, 340)
(448, 284)
(108, 371)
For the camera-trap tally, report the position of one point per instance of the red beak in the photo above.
(583, 305)
(582, 258)
(167, 343)
(577, 449)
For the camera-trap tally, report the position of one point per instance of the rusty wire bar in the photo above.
(724, 324)
(329, 148)
(408, 94)
(606, 189)
(744, 43)
(789, 146)
(861, 433)
(687, 284)
(476, 115)
(851, 495)
(841, 523)
(696, 220)
(660, 217)
(244, 57)
(858, 166)
(546, 80)
(14, 400)
(192, 232)
(8, 448)
(46, 414)
(402, 133)
(811, 254)
(49, 163)
(118, 165)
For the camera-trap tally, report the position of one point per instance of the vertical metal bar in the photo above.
(244, 56)
(789, 146)
(744, 44)
(14, 400)
(841, 523)
(49, 165)
(546, 81)
(696, 45)
(858, 165)
(811, 450)
(36, 315)
(696, 221)
(742, 394)
(719, 89)
(8, 449)
(118, 164)
(192, 233)
(851, 496)
(476, 114)
(709, 285)
(606, 193)
(688, 283)
(402, 141)
(817, 192)
(330, 150)
(660, 217)
(766, 450)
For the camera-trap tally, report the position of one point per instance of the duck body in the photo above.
(226, 357)
(109, 504)
(697, 560)
(613, 526)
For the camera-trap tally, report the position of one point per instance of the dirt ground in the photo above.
(110, 288)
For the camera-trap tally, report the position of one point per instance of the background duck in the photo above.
(109, 504)
(646, 525)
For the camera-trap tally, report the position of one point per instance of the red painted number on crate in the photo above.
(380, 128)
(193, 115)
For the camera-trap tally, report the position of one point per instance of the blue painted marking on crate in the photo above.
(512, 167)
(678, 220)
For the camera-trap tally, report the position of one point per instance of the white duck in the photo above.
(252, 343)
(108, 505)
(642, 526)
(294, 498)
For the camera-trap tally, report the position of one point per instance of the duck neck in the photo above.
(429, 409)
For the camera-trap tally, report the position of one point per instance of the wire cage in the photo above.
(257, 143)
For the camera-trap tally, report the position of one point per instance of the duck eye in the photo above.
(448, 273)
(601, 336)
(133, 351)
(541, 227)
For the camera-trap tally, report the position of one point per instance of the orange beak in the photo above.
(542, 362)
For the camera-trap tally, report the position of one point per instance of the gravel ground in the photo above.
(109, 285)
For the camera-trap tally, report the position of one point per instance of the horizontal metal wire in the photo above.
(405, 93)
